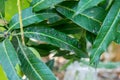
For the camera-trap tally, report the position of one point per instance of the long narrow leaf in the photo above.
(54, 37)
(43, 4)
(33, 67)
(9, 59)
(107, 33)
(85, 4)
(28, 18)
(96, 12)
(88, 23)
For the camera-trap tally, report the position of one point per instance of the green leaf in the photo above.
(43, 4)
(54, 37)
(85, 4)
(88, 23)
(33, 67)
(106, 34)
(28, 18)
(35, 52)
(2, 7)
(109, 3)
(96, 12)
(9, 59)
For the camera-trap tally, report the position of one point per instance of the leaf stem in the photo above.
(21, 25)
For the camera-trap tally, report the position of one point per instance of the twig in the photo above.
(20, 19)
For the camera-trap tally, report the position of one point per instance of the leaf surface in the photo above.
(28, 18)
(88, 23)
(85, 4)
(106, 34)
(54, 37)
(33, 67)
(43, 4)
(9, 59)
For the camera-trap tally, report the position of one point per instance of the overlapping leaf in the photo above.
(54, 37)
(43, 4)
(33, 67)
(85, 4)
(107, 32)
(9, 59)
(87, 22)
(28, 18)
(96, 13)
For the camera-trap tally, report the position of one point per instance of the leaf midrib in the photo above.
(26, 19)
(106, 35)
(85, 4)
(81, 14)
(53, 38)
(29, 61)
(38, 3)
(9, 58)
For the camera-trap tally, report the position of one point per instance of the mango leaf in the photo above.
(33, 67)
(2, 7)
(9, 59)
(109, 3)
(35, 52)
(86, 22)
(28, 18)
(106, 34)
(55, 38)
(43, 4)
(95, 12)
(85, 4)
